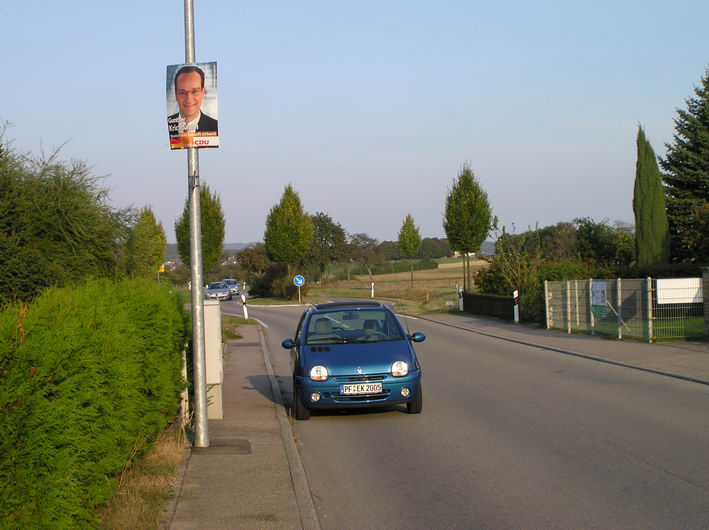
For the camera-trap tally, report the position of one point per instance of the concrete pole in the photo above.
(199, 365)
(619, 306)
(568, 306)
(648, 291)
(546, 304)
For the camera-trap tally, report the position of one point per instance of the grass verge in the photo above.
(230, 326)
(145, 487)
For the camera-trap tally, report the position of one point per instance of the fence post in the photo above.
(591, 320)
(648, 285)
(705, 296)
(619, 306)
(568, 306)
(576, 302)
(546, 304)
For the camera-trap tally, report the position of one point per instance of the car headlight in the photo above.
(318, 373)
(399, 369)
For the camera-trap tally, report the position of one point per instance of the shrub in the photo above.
(88, 376)
(491, 281)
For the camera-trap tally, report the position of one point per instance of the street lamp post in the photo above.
(198, 341)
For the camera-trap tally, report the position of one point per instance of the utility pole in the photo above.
(198, 342)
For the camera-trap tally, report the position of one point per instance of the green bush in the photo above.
(88, 377)
(491, 281)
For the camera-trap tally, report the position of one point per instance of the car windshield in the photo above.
(352, 326)
(218, 285)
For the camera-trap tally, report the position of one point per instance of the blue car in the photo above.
(351, 355)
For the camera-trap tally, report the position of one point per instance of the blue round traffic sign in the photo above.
(298, 280)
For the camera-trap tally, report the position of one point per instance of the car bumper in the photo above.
(330, 396)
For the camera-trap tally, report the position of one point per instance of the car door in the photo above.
(295, 350)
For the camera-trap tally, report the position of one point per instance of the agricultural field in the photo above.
(429, 293)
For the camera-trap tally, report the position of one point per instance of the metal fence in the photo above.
(641, 309)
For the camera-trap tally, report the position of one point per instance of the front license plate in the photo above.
(361, 388)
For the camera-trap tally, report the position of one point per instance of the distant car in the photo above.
(351, 355)
(218, 290)
(233, 285)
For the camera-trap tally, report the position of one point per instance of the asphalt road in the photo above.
(511, 436)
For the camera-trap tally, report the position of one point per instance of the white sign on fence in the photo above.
(680, 291)
(599, 298)
(598, 293)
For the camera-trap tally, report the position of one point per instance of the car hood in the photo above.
(346, 359)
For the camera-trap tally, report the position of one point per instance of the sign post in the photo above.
(298, 281)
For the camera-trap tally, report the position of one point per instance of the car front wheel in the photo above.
(416, 405)
(300, 411)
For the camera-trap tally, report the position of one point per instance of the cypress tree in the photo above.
(651, 226)
(686, 177)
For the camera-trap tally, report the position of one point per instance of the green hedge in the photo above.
(88, 377)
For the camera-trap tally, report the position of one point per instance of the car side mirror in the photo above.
(417, 337)
(288, 344)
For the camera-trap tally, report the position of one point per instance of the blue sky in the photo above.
(367, 108)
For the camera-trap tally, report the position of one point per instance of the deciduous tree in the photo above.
(409, 241)
(329, 243)
(467, 218)
(600, 243)
(145, 248)
(254, 259)
(366, 250)
(289, 231)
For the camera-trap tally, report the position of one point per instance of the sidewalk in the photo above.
(250, 476)
(689, 360)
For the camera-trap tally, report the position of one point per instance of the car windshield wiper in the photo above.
(327, 340)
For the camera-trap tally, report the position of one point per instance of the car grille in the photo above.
(357, 378)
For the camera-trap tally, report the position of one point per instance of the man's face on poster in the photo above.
(189, 93)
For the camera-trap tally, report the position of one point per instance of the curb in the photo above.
(306, 508)
(576, 354)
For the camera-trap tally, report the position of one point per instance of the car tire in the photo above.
(300, 411)
(416, 405)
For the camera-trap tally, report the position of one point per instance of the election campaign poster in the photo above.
(192, 110)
